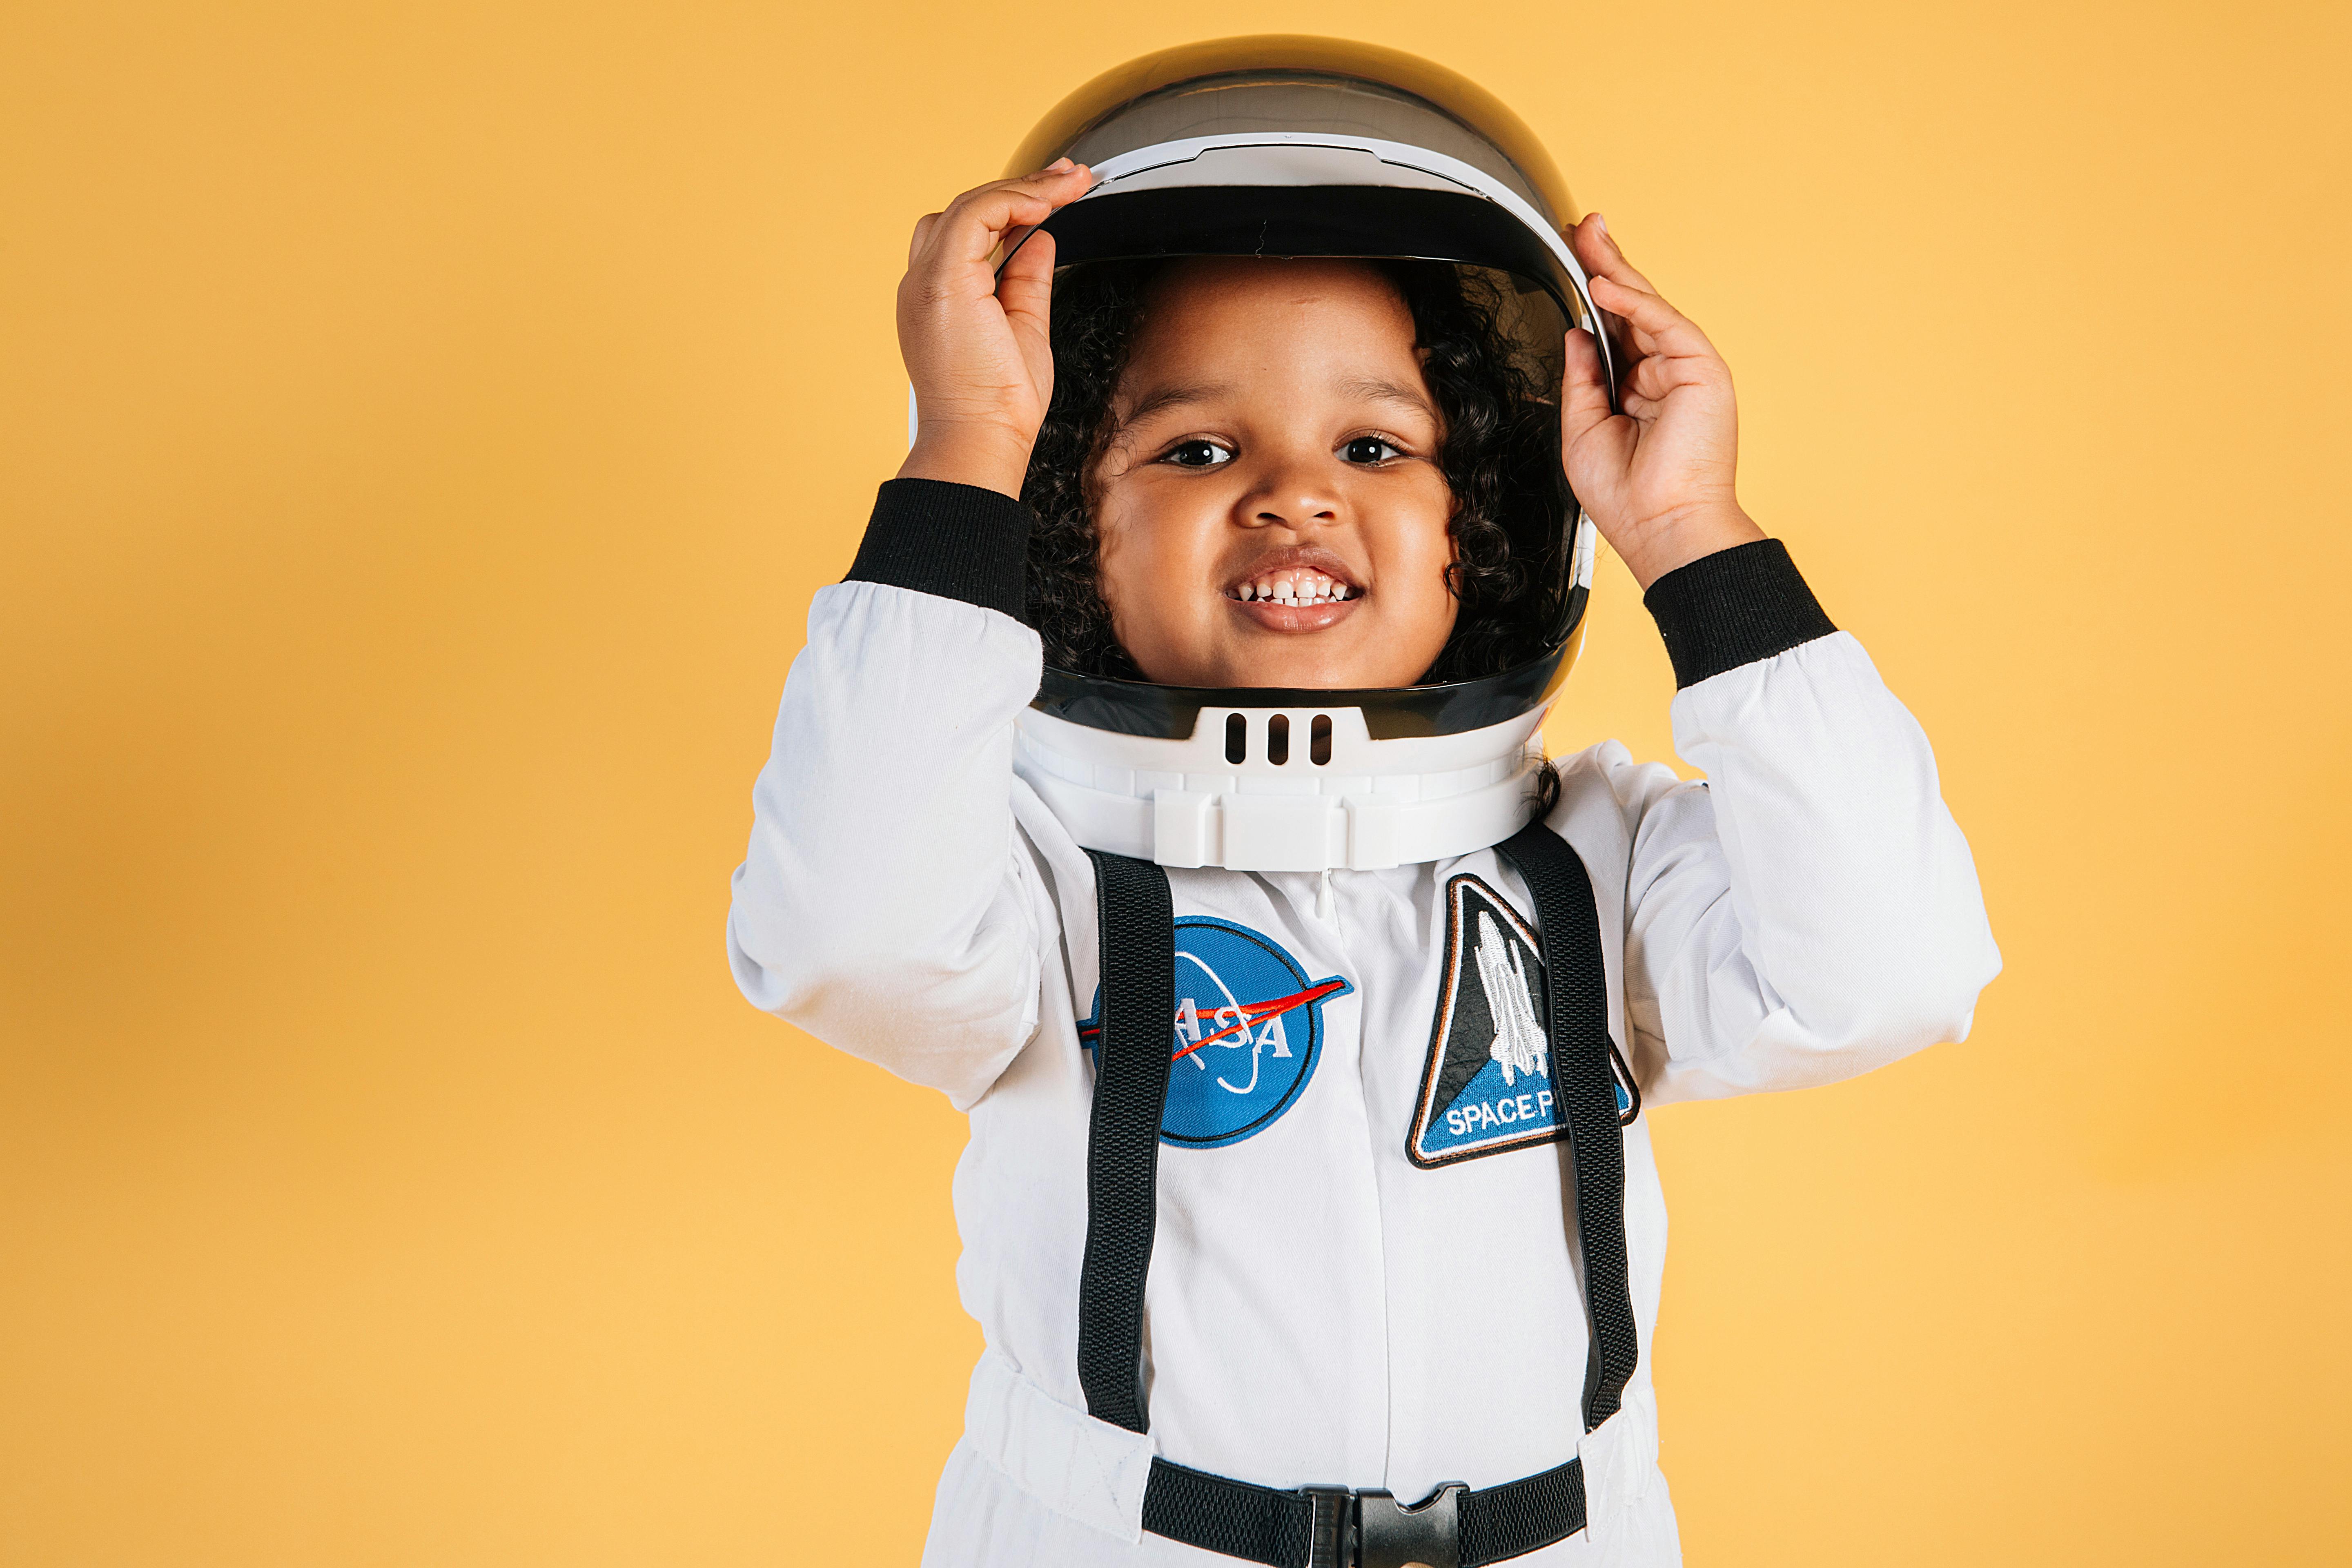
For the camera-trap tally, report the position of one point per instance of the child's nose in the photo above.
(1293, 494)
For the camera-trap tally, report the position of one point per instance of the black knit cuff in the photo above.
(959, 542)
(1734, 608)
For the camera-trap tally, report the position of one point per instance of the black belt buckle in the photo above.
(1370, 1529)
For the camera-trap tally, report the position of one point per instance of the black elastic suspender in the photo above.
(1288, 1529)
(1138, 966)
(1567, 923)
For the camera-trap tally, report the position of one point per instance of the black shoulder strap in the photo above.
(1576, 995)
(1136, 920)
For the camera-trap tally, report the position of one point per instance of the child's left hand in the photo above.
(1657, 479)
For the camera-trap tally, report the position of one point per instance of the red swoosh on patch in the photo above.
(1257, 1012)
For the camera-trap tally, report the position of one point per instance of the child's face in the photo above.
(1270, 507)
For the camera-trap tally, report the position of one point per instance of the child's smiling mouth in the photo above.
(1301, 589)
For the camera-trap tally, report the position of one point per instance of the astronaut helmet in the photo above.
(1287, 147)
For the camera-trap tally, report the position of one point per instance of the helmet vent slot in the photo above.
(1319, 743)
(1236, 738)
(1278, 738)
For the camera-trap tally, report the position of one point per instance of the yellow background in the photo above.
(422, 427)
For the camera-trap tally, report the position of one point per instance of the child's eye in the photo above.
(1196, 455)
(1369, 449)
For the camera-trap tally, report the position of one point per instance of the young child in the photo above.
(1385, 1260)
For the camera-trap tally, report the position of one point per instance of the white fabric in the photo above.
(1621, 1457)
(1320, 1309)
(1086, 1469)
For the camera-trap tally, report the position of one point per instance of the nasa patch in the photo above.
(1488, 1084)
(1247, 1034)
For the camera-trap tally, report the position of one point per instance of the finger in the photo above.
(1658, 327)
(923, 227)
(1024, 286)
(1657, 377)
(972, 236)
(1065, 181)
(1584, 391)
(1598, 249)
(1060, 169)
(976, 221)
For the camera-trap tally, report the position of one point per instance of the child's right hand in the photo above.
(975, 341)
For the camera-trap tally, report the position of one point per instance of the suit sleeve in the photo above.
(1811, 910)
(886, 903)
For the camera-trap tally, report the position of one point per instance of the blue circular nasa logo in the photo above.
(1247, 1033)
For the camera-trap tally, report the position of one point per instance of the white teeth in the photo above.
(1300, 588)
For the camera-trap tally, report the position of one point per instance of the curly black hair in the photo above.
(1499, 452)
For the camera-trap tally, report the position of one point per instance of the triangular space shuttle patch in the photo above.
(1488, 1085)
